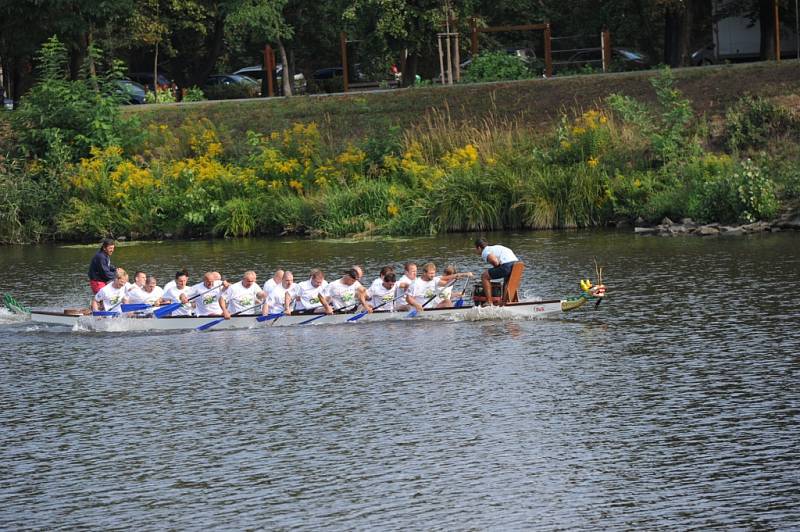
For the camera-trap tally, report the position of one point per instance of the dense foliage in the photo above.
(621, 160)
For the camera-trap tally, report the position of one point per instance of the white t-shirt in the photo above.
(502, 253)
(269, 286)
(174, 295)
(208, 303)
(169, 285)
(239, 298)
(379, 294)
(341, 295)
(136, 294)
(151, 297)
(277, 298)
(111, 297)
(309, 294)
(422, 291)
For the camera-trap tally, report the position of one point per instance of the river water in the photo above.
(675, 405)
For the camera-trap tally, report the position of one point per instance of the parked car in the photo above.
(146, 79)
(256, 72)
(527, 55)
(231, 86)
(132, 92)
(621, 59)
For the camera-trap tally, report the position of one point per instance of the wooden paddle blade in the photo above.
(166, 311)
(208, 325)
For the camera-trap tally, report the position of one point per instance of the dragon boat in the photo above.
(506, 305)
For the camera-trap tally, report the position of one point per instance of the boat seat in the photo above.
(512, 282)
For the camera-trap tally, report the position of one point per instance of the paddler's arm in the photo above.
(325, 304)
(362, 297)
(413, 302)
(287, 303)
(224, 306)
(491, 259)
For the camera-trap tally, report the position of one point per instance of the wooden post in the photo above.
(548, 57)
(458, 59)
(473, 26)
(441, 58)
(449, 60)
(777, 31)
(605, 42)
(343, 44)
(269, 69)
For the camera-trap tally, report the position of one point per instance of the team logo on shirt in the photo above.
(209, 299)
(245, 302)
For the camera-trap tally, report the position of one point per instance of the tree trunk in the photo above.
(215, 50)
(676, 35)
(90, 61)
(155, 72)
(287, 78)
(410, 77)
(766, 20)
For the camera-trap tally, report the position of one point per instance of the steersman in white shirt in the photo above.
(112, 295)
(428, 286)
(309, 292)
(180, 293)
(206, 295)
(281, 298)
(242, 296)
(344, 292)
(502, 260)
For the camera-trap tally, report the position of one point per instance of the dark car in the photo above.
(130, 92)
(256, 72)
(146, 79)
(621, 59)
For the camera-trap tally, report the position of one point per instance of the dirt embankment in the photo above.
(538, 103)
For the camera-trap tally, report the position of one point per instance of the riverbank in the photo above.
(466, 158)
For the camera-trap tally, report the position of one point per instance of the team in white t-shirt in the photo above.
(280, 294)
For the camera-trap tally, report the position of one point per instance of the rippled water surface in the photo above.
(675, 405)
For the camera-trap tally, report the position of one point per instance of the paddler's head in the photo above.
(480, 244)
(389, 280)
(152, 282)
(278, 277)
(428, 271)
(316, 277)
(208, 279)
(180, 279)
(288, 279)
(248, 278)
(349, 277)
(411, 270)
(121, 279)
(139, 279)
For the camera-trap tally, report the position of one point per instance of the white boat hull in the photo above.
(521, 310)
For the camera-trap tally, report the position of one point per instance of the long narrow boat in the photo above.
(518, 310)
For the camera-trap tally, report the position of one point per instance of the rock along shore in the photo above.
(687, 226)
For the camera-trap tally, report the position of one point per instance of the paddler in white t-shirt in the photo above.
(308, 292)
(500, 258)
(344, 292)
(179, 293)
(409, 276)
(377, 282)
(152, 291)
(428, 285)
(170, 284)
(381, 293)
(112, 295)
(282, 297)
(135, 291)
(273, 281)
(242, 295)
(206, 295)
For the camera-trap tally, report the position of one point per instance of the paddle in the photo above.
(273, 316)
(340, 311)
(109, 312)
(460, 302)
(414, 311)
(211, 323)
(364, 312)
(172, 307)
(14, 306)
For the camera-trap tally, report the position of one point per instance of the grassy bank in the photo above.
(537, 104)
(570, 152)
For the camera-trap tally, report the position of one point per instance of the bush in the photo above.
(78, 114)
(496, 66)
(193, 94)
(753, 121)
